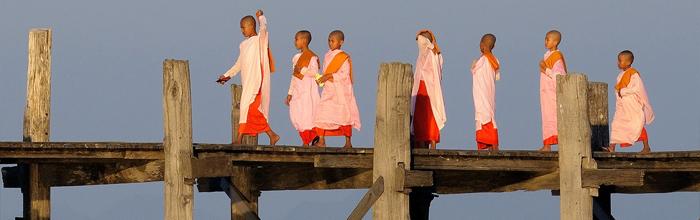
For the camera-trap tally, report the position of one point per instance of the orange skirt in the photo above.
(256, 122)
(551, 140)
(307, 136)
(487, 135)
(424, 126)
(345, 130)
(642, 137)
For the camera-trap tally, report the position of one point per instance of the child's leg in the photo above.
(348, 144)
(494, 147)
(321, 141)
(433, 145)
(646, 148)
(273, 136)
(239, 139)
(546, 148)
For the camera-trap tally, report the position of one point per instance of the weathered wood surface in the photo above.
(238, 200)
(392, 138)
(371, 196)
(36, 191)
(574, 131)
(177, 119)
(242, 177)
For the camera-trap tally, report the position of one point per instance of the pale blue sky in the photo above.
(107, 74)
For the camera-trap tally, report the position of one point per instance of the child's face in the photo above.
(624, 62)
(483, 47)
(247, 30)
(551, 42)
(300, 42)
(334, 43)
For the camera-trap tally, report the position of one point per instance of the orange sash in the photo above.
(626, 77)
(553, 58)
(304, 60)
(492, 61)
(337, 62)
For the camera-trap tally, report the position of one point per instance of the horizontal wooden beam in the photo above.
(95, 174)
(617, 177)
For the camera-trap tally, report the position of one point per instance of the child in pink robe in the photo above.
(337, 112)
(632, 107)
(255, 64)
(303, 96)
(428, 107)
(485, 72)
(552, 65)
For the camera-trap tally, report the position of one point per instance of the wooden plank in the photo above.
(478, 163)
(391, 137)
(241, 202)
(36, 192)
(211, 167)
(664, 182)
(418, 178)
(454, 182)
(368, 200)
(343, 161)
(309, 178)
(75, 174)
(575, 144)
(177, 115)
(597, 177)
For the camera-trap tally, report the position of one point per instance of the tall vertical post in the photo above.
(392, 138)
(242, 177)
(177, 117)
(600, 137)
(36, 191)
(575, 141)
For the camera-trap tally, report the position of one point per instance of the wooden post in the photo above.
(177, 143)
(392, 138)
(36, 191)
(600, 137)
(575, 141)
(242, 176)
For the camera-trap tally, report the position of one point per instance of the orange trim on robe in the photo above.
(625, 80)
(255, 122)
(345, 130)
(307, 136)
(553, 58)
(551, 140)
(493, 61)
(424, 126)
(486, 136)
(642, 137)
(337, 62)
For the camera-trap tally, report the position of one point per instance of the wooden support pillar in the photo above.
(242, 176)
(600, 137)
(392, 138)
(36, 191)
(177, 143)
(575, 141)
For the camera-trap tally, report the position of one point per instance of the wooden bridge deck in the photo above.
(298, 168)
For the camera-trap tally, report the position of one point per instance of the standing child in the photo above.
(428, 106)
(552, 65)
(255, 64)
(337, 113)
(632, 107)
(303, 96)
(485, 72)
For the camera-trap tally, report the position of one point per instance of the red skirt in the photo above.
(424, 126)
(307, 136)
(487, 135)
(642, 137)
(345, 130)
(551, 140)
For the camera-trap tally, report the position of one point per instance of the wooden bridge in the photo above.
(401, 181)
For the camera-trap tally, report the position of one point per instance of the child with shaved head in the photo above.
(552, 65)
(337, 112)
(303, 96)
(428, 107)
(632, 107)
(255, 64)
(485, 72)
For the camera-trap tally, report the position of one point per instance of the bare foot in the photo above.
(645, 150)
(274, 138)
(305, 145)
(610, 148)
(545, 148)
(321, 142)
(347, 146)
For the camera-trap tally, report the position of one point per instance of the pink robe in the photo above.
(253, 59)
(548, 98)
(484, 91)
(337, 106)
(429, 70)
(632, 112)
(305, 96)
